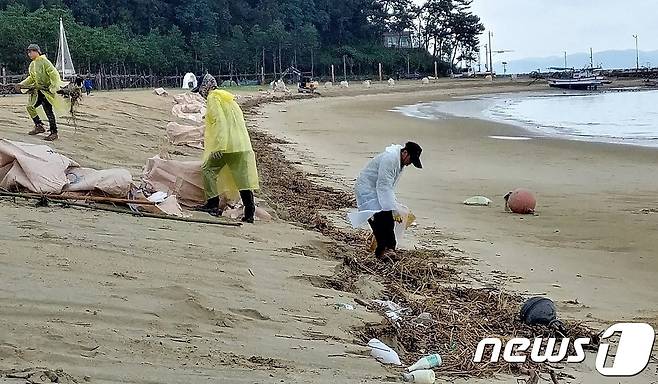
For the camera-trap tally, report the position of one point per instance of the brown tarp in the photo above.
(38, 168)
(180, 178)
(190, 106)
(35, 167)
(114, 182)
(189, 135)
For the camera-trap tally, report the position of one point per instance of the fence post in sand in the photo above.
(4, 76)
(333, 77)
(436, 71)
(380, 73)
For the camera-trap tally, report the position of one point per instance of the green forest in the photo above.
(167, 37)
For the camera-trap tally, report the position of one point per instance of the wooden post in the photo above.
(262, 75)
(436, 71)
(312, 64)
(280, 70)
(333, 77)
(345, 67)
(4, 76)
(381, 78)
(274, 63)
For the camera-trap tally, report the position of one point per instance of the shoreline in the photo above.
(480, 107)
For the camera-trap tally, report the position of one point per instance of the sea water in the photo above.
(624, 117)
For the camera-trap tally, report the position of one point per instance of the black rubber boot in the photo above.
(249, 206)
(211, 206)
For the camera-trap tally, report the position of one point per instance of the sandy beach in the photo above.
(121, 299)
(590, 247)
(111, 298)
(589, 236)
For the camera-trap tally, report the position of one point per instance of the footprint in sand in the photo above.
(251, 314)
(27, 224)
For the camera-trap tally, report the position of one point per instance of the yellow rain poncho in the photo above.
(44, 78)
(229, 161)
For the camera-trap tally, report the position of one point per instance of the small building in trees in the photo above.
(398, 39)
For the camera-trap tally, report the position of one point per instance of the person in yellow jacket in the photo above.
(42, 85)
(229, 162)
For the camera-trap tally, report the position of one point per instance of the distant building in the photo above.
(398, 39)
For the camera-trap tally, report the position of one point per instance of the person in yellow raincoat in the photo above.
(42, 85)
(229, 163)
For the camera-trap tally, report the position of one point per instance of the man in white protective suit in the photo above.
(375, 195)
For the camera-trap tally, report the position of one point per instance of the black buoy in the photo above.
(540, 311)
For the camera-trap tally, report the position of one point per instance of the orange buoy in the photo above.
(521, 201)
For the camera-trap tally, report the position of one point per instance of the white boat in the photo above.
(584, 79)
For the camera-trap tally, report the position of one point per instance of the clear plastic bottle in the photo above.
(427, 362)
(424, 376)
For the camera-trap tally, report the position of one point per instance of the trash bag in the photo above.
(408, 218)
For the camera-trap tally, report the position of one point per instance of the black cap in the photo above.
(414, 151)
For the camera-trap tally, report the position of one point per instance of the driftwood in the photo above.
(44, 201)
(154, 215)
(96, 199)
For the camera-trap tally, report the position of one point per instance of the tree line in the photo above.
(239, 36)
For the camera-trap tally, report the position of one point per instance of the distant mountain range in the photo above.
(606, 59)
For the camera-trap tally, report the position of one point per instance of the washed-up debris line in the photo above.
(425, 280)
(38, 376)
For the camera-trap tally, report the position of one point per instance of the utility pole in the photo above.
(565, 59)
(490, 54)
(591, 58)
(486, 57)
(637, 55)
(479, 62)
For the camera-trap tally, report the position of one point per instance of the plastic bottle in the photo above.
(427, 362)
(425, 376)
(383, 353)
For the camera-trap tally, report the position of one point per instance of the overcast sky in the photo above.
(539, 28)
